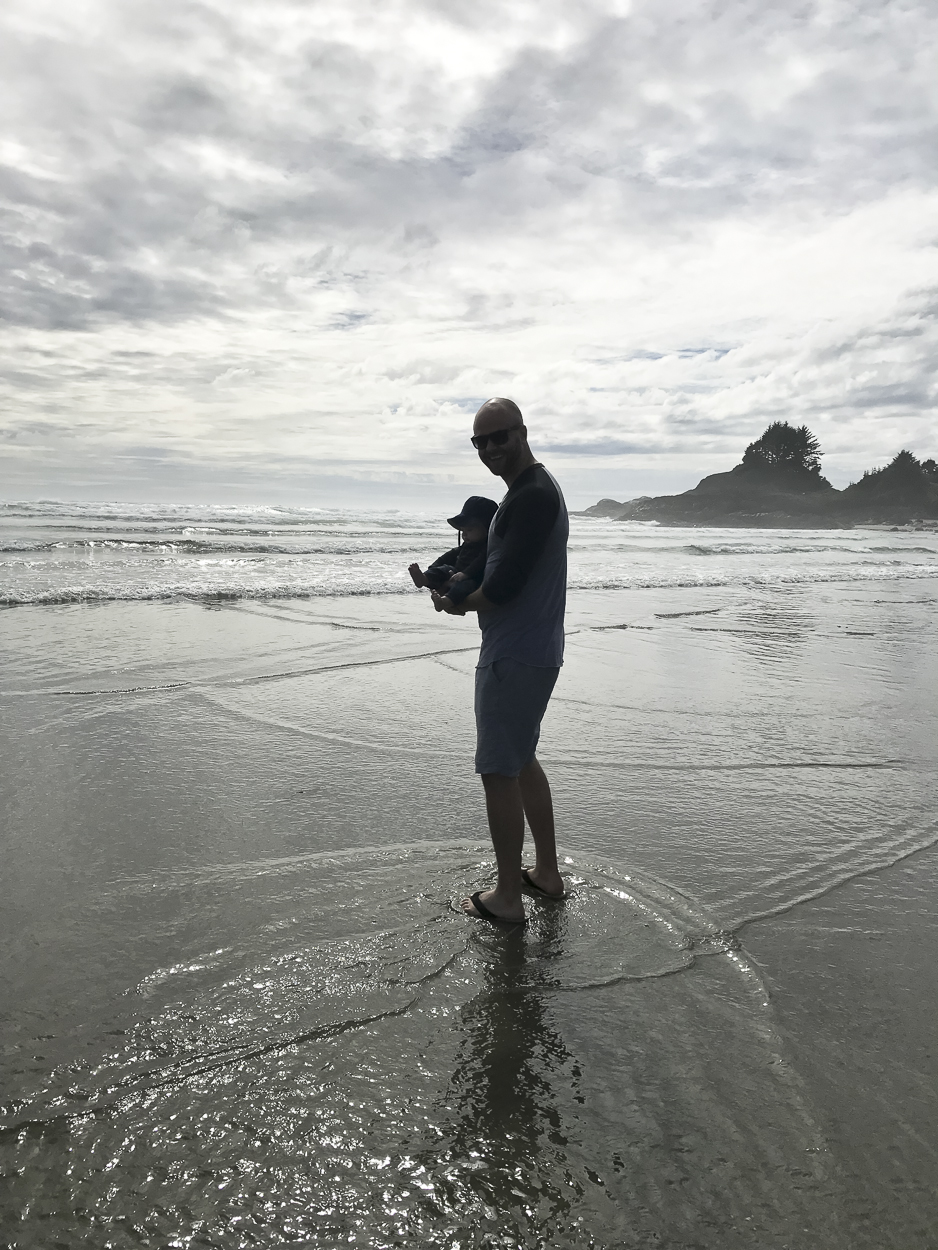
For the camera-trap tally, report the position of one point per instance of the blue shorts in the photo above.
(511, 699)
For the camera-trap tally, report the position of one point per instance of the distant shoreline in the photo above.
(778, 485)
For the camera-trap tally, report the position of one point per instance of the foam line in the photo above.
(853, 874)
(257, 680)
(629, 766)
(323, 735)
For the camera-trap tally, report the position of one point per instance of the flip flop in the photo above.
(485, 914)
(536, 889)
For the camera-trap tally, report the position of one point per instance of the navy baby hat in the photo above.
(477, 510)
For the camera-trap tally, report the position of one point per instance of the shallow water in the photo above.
(243, 1008)
(421, 1081)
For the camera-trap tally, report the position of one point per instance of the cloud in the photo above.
(322, 232)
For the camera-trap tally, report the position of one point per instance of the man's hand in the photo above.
(442, 604)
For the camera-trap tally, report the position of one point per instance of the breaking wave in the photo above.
(56, 553)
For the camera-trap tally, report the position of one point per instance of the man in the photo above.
(520, 605)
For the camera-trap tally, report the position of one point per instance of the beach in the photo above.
(242, 1007)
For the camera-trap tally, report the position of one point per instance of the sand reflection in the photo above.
(502, 1130)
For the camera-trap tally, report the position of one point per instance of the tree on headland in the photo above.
(903, 463)
(785, 446)
(903, 473)
(903, 490)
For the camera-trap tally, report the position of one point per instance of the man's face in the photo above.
(499, 458)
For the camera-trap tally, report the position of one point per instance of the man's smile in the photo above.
(491, 458)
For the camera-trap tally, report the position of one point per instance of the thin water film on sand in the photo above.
(242, 1005)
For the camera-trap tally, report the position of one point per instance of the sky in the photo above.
(281, 252)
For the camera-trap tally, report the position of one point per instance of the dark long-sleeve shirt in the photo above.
(523, 522)
(526, 574)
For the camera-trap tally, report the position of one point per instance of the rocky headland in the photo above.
(779, 484)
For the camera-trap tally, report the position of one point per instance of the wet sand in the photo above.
(242, 1007)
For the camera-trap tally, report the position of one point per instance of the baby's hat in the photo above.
(477, 510)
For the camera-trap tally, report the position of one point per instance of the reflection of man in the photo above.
(509, 1100)
(520, 605)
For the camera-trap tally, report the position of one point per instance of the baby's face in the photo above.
(475, 533)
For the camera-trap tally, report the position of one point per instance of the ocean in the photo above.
(60, 553)
(241, 1006)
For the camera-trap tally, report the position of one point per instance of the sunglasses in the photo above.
(497, 438)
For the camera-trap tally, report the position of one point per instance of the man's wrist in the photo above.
(477, 602)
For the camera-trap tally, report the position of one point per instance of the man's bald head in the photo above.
(497, 414)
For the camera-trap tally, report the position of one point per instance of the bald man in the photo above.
(521, 606)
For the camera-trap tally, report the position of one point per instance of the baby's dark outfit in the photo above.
(468, 558)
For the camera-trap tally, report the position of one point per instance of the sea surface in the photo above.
(62, 553)
(241, 1006)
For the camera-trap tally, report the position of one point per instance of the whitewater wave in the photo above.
(326, 544)
(53, 552)
(240, 518)
(221, 591)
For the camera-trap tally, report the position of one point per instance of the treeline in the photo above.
(904, 463)
(785, 446)
(779, 483)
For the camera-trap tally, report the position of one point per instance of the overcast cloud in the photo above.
(284, 250)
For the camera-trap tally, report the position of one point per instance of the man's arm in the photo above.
(477, 602)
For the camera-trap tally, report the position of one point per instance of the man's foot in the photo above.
(488, 906)
(543, 884)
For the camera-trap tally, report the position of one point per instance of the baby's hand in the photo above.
(457, 577)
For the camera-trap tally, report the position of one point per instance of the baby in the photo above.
(459, 572)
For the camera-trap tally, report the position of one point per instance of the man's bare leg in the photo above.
(539, 809)
(506, 824)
